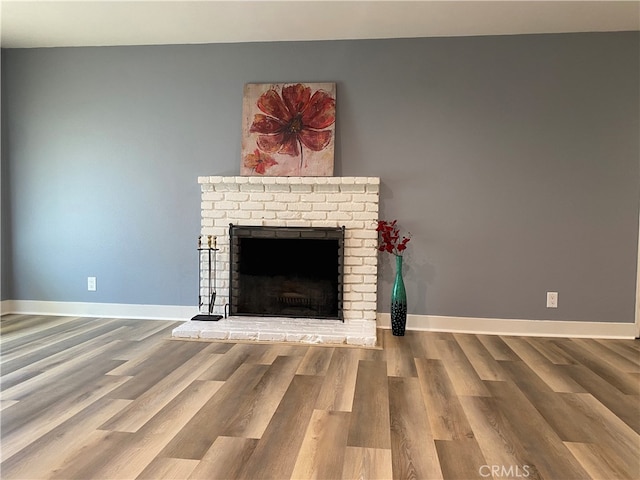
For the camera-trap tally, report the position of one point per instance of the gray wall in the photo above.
(5, 251)
(514, 162)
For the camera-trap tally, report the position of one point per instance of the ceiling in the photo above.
(86, 23)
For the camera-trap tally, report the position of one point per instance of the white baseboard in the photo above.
(111, 310)
(432, 323)
(523, 328)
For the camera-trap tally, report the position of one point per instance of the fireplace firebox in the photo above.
(286, 271)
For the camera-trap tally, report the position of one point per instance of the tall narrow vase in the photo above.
(398, 301)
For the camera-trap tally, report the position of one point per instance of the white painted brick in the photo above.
(350, 242)
(350, 278)
(252, 187)
(298, 337)
(364, 197)
(301, 188)
(369, 314)
(371, 279)
(363, 306)
(326, 223)
(365, 234)
(243, 336)
(355, 225)
(314, 215)
(277, 188)
(365, 216)
(213, 196)
(268, 180)
(365, 252)
(217, 231)
(299, 223)
(352, 260)
(354, 315)
(289, 215)
(275, 206)
(206, 222)
(353, 296)
(237, 215)
(352, 188)
(347, 180)
(338, 197)
(370, 243)
(364, 288)
(327, 188)
(373, 188)
(338, 216)
(271, 336)
(278, 223)
(261, 197)
(287, 197)
(214, 213)
(332, 339)
(227, 205)
(369, 260)
(325, 207)
(313, 197)
(370, 297)
(370, 207)
(362, 341)
(352, 207)
(216, 179)
(299, 207)
(237, 197)
(263, 214)
(227, 187)
(252, 206)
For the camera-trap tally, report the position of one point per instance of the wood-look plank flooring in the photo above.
(99, 398)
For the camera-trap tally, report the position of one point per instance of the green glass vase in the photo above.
(398, 302)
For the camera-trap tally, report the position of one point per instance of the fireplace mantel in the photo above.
(351, 202)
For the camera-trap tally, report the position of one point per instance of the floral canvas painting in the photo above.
(288, 129)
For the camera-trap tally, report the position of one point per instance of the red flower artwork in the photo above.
(390, 237)
(259, 161)
(294, 119)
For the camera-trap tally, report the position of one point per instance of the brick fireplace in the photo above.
(317, 202)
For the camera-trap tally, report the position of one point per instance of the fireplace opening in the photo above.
(286, 271)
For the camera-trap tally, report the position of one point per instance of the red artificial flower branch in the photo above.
(390, 241)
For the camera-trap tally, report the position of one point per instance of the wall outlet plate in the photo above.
(91, 284)
(552, 299)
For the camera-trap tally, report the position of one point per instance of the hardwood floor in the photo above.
(86, 398)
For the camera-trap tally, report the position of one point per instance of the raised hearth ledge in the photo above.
(276, 329)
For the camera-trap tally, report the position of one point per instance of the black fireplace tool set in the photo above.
(210, 251)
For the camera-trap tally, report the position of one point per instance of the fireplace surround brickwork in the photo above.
(351, 202)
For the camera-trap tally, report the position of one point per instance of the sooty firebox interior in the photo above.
(286, 271)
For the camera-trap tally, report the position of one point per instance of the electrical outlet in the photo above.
(552, 299)
(91, 284)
